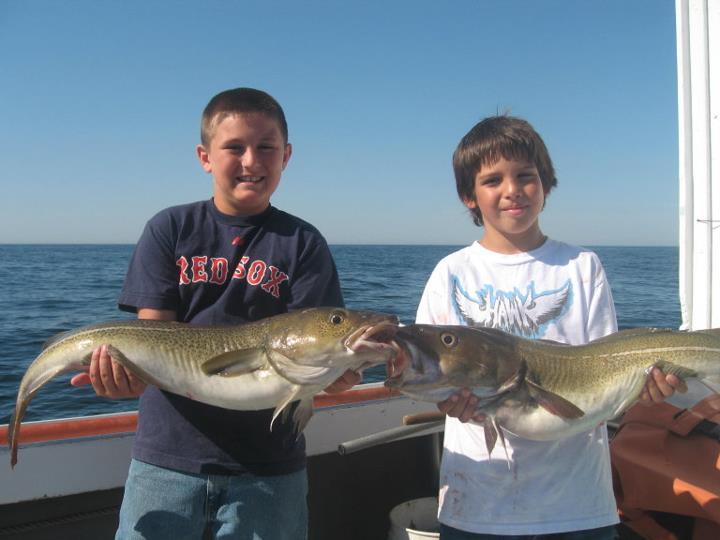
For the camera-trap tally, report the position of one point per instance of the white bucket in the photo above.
(415, 520)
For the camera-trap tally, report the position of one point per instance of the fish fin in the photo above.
(235, 363)
(302, 415)
(553, 342)
(680, 371)
(491, 434)
(282, 407)
(303, 412)
(714, 380)
(514, 381)
(553, 403)
(632, 332)
(301, 374)
(624, 405)
(501, 435)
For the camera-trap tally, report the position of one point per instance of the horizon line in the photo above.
(329, 244)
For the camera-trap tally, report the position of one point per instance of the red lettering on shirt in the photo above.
(240, 271)
(215, 270)
(198, 269)
(183, 264)
(218, 270)
(256, 272)
(272, 286)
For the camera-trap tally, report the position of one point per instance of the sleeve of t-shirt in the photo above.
(602, 319)
(435, 301)
(316, 282)
(152, 277)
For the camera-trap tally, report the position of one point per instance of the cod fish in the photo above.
(544, 390)
(259, 365)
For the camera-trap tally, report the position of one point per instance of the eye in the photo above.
(336, 318)
(528, 178)
(448, 339)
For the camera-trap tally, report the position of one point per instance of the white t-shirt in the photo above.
(556, 292)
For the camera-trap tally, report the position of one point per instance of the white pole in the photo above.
(698, 55)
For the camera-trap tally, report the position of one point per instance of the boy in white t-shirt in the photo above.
(516, 279)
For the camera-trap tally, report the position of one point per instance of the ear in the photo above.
(470, 203)
(204, 158)
(286, 155)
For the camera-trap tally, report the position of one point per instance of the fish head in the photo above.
(335, 337)
(431, 358)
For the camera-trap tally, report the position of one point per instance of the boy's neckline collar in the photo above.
(521, 255)
(254, 219)
(509, 246)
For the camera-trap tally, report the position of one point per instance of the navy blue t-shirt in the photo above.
(211, 268)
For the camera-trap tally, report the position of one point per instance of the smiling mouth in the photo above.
(250, 179)
(516, 209)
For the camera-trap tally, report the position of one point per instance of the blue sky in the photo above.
(100, 104)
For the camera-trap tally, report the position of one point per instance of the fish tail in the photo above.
(33, 380)
(14, 431)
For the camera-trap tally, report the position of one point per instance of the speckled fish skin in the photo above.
(253, 366)
(529, 387)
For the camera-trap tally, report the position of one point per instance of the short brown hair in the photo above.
(498, 137)
(240, 100)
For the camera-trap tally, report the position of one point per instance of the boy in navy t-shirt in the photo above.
(232, 259)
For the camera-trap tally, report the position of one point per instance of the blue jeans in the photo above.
(165, 504)
(603, 533)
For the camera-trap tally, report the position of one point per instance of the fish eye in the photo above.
(448, 339)
(336, 318)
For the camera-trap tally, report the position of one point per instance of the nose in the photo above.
(513, 188)
(249, 158)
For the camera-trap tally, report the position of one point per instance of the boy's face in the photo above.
(510, 196)
(246, 156)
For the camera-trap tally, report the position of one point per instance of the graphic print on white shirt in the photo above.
(556, 292)
(525, 314)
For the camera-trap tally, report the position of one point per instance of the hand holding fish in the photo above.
(109, 378)
(659, 387)
(462, 405)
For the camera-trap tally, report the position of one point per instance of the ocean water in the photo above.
(47, 289)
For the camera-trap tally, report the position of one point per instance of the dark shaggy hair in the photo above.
(494, 138)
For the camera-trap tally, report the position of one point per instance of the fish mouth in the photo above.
(397, 363)
(409, 359)
(373, 337)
